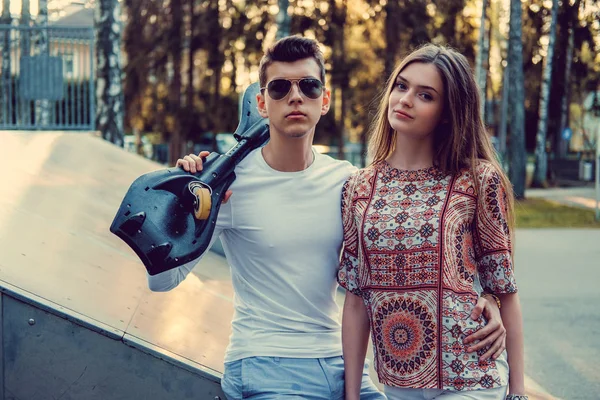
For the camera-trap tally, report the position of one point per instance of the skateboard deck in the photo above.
(168, 216)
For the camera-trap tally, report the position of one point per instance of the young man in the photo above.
(282, 236)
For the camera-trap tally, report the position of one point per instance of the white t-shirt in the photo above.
(282, 236)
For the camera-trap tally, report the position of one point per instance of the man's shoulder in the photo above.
(251, 160)
(341, 166)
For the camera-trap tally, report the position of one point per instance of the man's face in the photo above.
(296, 114)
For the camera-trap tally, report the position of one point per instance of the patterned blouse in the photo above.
(419, 248)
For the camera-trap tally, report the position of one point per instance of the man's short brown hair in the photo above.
(290, 49)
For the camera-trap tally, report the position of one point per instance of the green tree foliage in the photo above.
(185, 68)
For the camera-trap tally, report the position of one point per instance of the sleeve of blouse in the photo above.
(348, 270)
(493, 239)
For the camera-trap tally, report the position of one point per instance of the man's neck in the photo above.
(289, 154)
(411, 154)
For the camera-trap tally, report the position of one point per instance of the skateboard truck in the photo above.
(168, 216)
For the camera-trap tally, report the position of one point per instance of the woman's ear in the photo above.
(261, 105)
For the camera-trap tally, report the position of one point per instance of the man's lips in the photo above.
(403, 114)
(295, 114)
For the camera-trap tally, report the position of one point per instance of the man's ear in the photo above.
(326, 101)
(260, 104)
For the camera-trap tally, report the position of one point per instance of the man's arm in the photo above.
(170, 279)
(355, 338)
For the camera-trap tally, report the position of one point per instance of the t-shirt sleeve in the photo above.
(493, 238)
(348, 270)
(170, 279)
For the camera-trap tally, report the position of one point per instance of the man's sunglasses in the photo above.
(279, 88)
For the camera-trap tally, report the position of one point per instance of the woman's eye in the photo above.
(426, 96)
(401, 86)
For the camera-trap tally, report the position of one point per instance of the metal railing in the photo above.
(46, 78)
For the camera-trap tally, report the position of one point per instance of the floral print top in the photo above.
(419, 248)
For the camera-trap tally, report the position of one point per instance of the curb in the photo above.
(535, 392)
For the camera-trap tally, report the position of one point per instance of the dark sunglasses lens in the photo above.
(312, 88)
(279, 88)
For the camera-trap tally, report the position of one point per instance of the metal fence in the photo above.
(46, 78)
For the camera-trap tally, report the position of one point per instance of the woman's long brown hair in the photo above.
(461, 141)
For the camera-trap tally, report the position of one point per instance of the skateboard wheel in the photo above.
(202, 204)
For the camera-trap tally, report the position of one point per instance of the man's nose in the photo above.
(295, 93)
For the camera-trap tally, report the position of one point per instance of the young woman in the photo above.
(427, 230)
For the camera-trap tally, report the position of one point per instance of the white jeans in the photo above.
(394, 393)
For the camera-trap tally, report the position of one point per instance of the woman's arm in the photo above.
(355, 338)
(513, 322)
(493, 249)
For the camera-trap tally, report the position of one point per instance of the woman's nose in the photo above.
(406, 100)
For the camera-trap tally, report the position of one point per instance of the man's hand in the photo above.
(193, 163)
(492, 335)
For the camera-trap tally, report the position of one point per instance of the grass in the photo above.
(538, 213)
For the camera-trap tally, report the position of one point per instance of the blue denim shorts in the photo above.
(272, 378)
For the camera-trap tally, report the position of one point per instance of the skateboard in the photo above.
(168, 216)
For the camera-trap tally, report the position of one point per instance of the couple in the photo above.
(426, 236)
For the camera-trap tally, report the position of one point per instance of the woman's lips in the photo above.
(402, 114)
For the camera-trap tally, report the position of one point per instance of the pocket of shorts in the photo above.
(260, 374)
(335, 374)
(232, 381)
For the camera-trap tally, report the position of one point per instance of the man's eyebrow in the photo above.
(304, 77)
(400, 78)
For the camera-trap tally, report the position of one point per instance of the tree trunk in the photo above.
(217, 120)
(482, 56)
(391, 36)
(42, 106)
(233, 71)
(339, 76)
(504, 114)
(502, 128)
(517, 95)
(25, 38)
(541, 156)
(563, 147)
(451, 10)
(190, 89)
(176, 36)
(283, 19)
(489, 116)
(6, 75)
(216, 60)
(109, 91)
(158, 77)
(136, 71)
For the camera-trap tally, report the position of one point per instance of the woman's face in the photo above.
(416, 102)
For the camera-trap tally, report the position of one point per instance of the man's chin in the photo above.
(296, 134)
(296, 131)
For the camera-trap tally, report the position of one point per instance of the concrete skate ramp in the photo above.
(78, 321)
